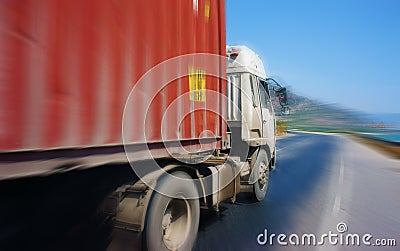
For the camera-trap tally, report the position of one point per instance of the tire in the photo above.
(261, 170)
(172, 224)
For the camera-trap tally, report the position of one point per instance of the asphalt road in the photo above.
(320, 181)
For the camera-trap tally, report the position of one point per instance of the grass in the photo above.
(281, 128)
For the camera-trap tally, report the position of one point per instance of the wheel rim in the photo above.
(176, 223)
(263, 176)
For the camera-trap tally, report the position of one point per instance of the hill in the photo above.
(309, 114)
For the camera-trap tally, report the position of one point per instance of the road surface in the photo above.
(320, 181)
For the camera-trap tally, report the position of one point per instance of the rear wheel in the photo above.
(261, 172)
(172, 223)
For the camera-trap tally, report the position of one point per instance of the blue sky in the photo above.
(345, 52)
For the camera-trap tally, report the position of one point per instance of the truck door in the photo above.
(267, 113)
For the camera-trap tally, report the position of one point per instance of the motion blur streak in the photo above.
(67, 67)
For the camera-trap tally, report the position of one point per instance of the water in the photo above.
(394, 137)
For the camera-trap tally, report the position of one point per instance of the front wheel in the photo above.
(172, 223)
(261, 178)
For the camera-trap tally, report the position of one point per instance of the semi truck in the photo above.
(149, 84)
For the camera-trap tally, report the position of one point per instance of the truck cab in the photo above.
(248, 88)
(250, 116)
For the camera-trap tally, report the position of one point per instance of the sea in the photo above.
(389, 136)
(392, 120)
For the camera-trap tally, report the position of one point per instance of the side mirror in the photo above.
(281, 93)
(282, 96)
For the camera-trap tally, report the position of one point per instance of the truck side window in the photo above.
(263, 95)
(267, 91)
(254, 90)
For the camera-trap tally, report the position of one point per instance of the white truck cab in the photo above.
(250, 115)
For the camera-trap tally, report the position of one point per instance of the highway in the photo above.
(319, 182)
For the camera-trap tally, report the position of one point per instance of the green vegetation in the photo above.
(281, 128)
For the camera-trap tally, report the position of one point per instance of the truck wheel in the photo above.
(172, 223)
(261, 169)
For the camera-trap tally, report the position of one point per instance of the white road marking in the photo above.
(331, 218)
(338, 197)
(311, 132)
(307, 139)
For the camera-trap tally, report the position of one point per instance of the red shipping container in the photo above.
(68, 66)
